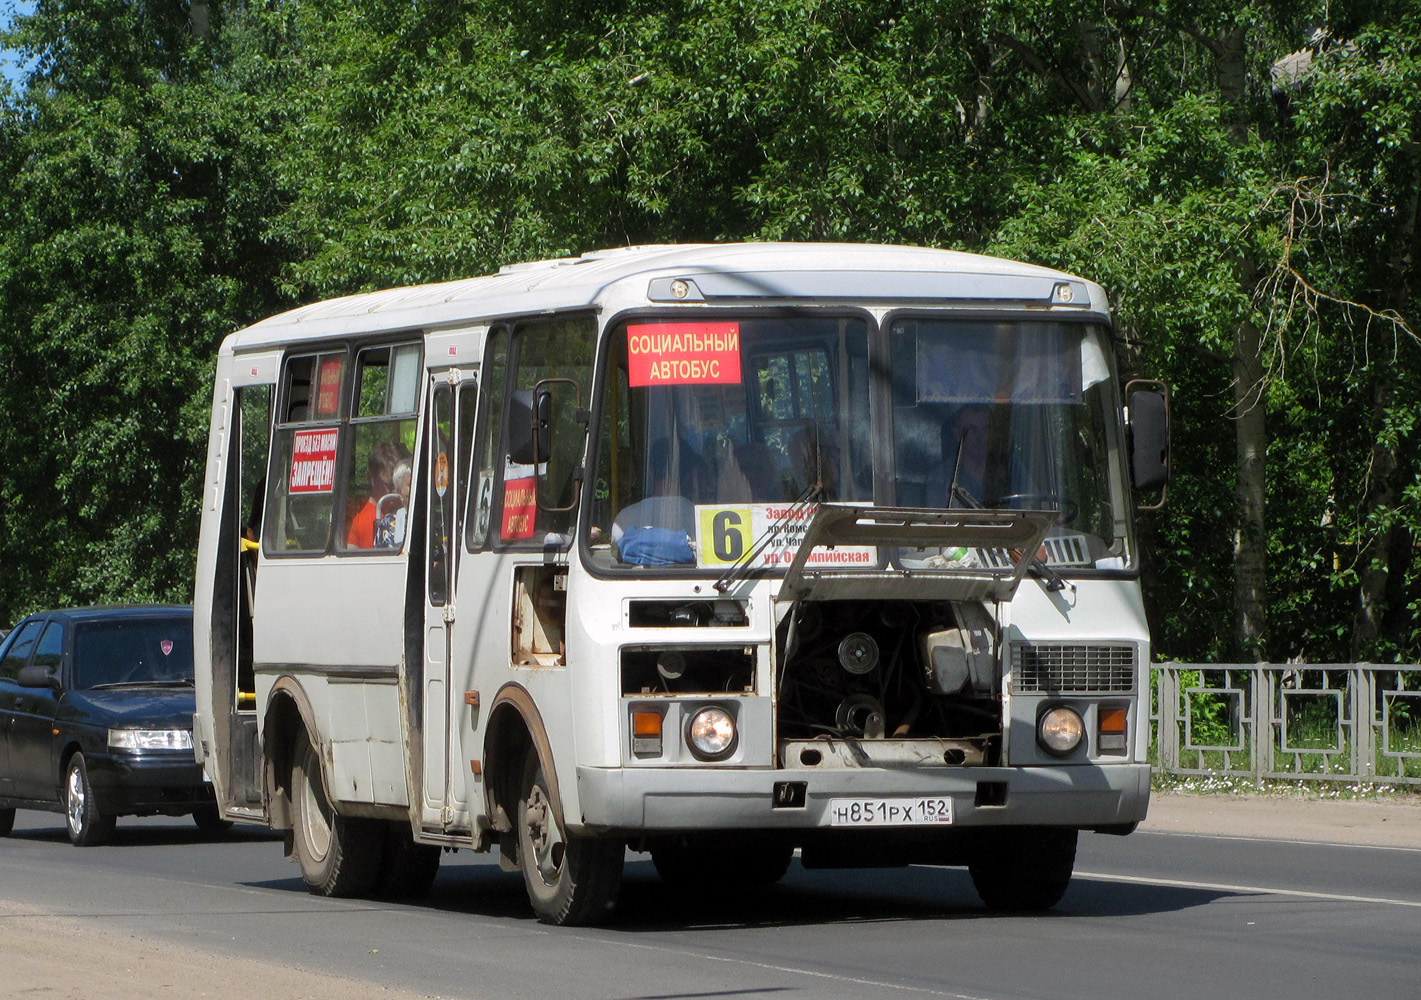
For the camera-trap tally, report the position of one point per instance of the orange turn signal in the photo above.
(1111, 725)
(646, 732)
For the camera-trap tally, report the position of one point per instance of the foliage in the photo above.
(1219, 168)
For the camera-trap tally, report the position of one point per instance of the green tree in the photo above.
(131, 238)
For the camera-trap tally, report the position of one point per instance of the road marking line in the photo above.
(1278, 840)
(793, 970)
(1260, 889)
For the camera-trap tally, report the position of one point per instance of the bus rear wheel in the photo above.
(1024, 868)
(339, 855)
(571, 880)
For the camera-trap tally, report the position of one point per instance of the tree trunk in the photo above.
(1250, 623)
(1375, 557)
(1376, 582)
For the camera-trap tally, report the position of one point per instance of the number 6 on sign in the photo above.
(724, 534)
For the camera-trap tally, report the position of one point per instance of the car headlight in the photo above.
(711, 734)
(1060, 730)
(150, 739)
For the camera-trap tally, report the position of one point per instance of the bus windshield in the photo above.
(1017, 415)
(715, 430)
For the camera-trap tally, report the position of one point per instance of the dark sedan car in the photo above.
(96, 709)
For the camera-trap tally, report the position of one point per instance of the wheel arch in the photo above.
(515, 725)
(71, 747)
(288, 714)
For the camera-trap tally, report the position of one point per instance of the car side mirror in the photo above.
(527, 427)
(1148, 421)
(35, 676)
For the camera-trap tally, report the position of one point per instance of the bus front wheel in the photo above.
(1024, 868)
(339, 855)
(570, 879)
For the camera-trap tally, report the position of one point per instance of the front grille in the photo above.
(1061, 550)
(1071, 669)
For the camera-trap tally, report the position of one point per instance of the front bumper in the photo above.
(169, 783)
(666, 800)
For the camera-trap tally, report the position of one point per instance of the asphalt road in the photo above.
(1160, 915)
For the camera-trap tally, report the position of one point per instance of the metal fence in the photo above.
(1355, 722)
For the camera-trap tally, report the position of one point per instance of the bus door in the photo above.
(235, 764)
(453, 395)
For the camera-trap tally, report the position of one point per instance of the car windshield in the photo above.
(138, 651)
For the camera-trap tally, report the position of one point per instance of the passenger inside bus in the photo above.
(657, 530)
(373, 525)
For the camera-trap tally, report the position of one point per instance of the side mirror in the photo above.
(558, 409)
(528, 415)
(35, 676)
(1147, 417)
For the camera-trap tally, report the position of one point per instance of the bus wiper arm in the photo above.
(737, 569)
(1037, 567)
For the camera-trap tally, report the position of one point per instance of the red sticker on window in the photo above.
(328, 387)
(313, 461)
(520, 508)
(683, 354)
(166, 646)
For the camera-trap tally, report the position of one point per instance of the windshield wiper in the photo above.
(1037, 567)
(737, 569)
(959, 493)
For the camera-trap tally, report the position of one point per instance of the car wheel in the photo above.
(87, 826)
(1024, 868)
(209, 820)
(7, 821)
(570, 880)
(339, 855)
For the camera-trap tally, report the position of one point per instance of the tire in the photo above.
(407, 869)
(693, 865)
(7, 822)
(339, 855)
(87, 827)
(570, 880)
(209, 820)
(1024, 868)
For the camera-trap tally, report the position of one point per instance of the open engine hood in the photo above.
(1018, 533)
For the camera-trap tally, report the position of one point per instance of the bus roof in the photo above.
(718, 272)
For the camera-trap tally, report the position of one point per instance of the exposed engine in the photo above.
(905, 670)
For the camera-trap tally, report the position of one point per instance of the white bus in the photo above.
(716, 552)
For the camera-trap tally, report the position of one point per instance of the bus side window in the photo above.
(554, 349)
(379, 473)
(488, 459)
(300, 485)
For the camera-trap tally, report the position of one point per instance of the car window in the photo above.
(139, 651)
(19, 649)
(51, 648)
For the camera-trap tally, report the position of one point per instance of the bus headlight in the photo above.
(711, 734)
(1059, 730)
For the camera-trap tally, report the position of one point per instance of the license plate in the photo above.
(890, 812)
